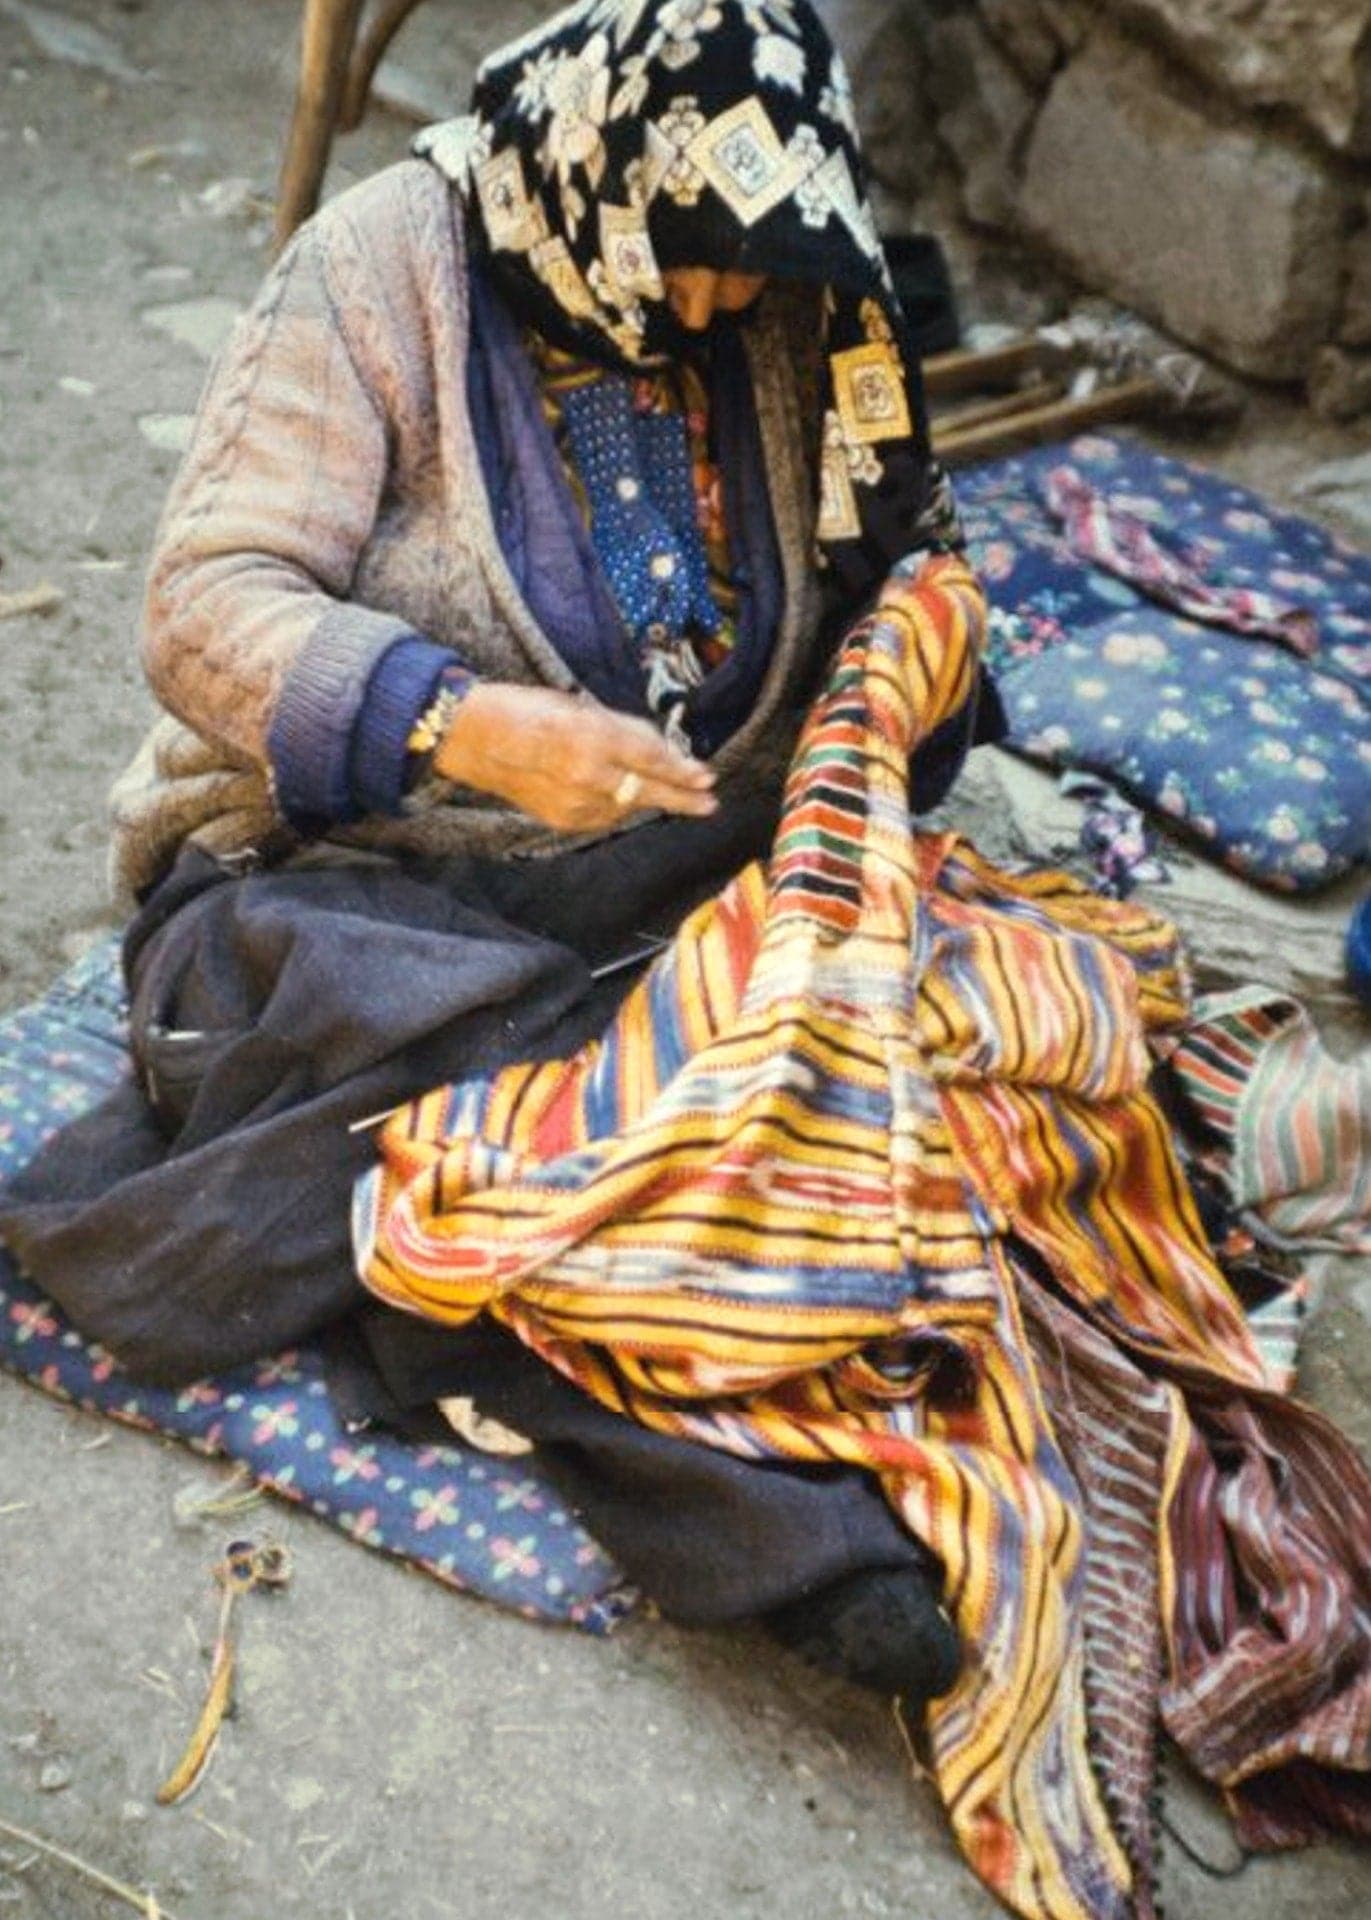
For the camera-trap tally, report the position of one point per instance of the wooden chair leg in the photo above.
(377, 35)
(326, 41)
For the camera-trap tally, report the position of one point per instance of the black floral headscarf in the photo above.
(624, 137)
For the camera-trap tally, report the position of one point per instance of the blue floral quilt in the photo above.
(1262, 756)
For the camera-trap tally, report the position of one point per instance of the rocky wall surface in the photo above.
(1206, 162)
(1310, 56)
(1227, 237)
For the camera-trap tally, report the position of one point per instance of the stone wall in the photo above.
(1205, 162)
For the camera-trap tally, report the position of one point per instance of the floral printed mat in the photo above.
(1260, 755)
(473, 1520)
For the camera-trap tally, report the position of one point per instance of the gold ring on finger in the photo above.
(628, 790)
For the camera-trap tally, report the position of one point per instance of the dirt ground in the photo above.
(397, 1750)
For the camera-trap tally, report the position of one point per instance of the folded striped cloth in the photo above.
(1290, 1123)
(1124, 544)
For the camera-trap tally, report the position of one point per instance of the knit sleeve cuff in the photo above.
(317, 707)
(402, 685)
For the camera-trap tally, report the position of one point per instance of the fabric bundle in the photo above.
(867, 1170)
(1149, 626)
(1289, 1125)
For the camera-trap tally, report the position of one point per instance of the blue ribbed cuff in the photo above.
(309, 742)
(402, 685)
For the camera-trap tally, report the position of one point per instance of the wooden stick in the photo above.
(1003, 407)
(964, 372)
(377, 35)
(189, 1770)
(327, 34)
(1055, 422)
(44, 599)
(144, 1903)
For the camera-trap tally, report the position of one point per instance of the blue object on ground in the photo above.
(1359, 951)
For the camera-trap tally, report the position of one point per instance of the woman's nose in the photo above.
(694, 298)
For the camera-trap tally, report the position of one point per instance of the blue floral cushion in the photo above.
(1262, 755)
(474, 1521)
(1238, 741)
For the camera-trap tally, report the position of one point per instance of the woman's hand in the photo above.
(566, 760)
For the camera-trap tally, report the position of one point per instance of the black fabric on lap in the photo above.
(199, 1218)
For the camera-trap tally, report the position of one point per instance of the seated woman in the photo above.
(521, 518)
(547, 479)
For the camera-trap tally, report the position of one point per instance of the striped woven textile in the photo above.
(1123, 543)
(1292, 1124)
(866, 1170)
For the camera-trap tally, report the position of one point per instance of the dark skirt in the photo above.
(198, 1219)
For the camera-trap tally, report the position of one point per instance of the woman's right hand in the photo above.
(566, 760)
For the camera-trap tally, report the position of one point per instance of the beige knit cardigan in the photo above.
(332, 500)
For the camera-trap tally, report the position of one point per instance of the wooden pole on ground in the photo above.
(1003, 407)
(967, 372)
(1054, 422)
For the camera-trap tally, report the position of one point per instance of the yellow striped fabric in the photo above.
(775, 1209)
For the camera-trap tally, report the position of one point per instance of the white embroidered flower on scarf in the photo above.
(635, 68)
(456, 147)
(578, 97)
(627, 330)
(865, 464)
(615, 298)
(814, 205)
(683, 182)
(836, 98)
(779, 60)
(638, 182)
(531, 92)
(682, 22)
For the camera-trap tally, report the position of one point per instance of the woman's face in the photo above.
(696, 294)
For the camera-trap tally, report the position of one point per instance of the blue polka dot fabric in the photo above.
(1261, 756)
(475, 1521)
(635, 468)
